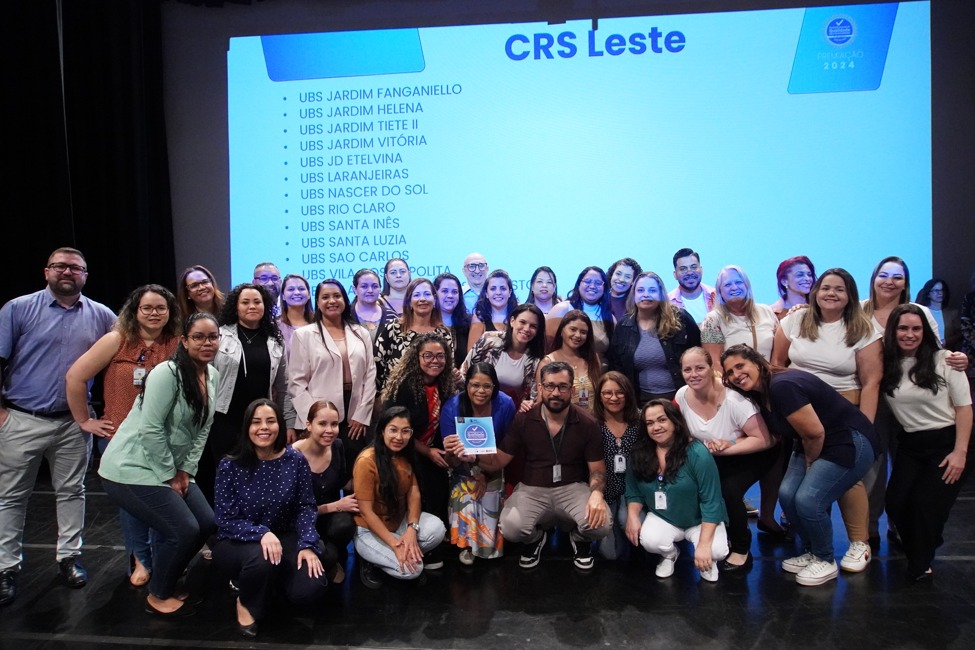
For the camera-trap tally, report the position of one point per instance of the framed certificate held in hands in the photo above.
(477, 435)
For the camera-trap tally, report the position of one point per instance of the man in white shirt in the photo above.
(691, 294)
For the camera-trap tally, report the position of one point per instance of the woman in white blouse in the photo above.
(332, 360)
(835, 341)
(737, 318)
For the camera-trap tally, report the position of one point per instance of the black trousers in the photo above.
(738, 473)
(918, 500)
(336, 530)
(257, 578)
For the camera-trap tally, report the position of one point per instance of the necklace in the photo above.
(243, 333)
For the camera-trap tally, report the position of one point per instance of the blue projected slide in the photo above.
(748, 136)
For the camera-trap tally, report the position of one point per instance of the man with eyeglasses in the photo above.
(476, 271)
(41, 336)
(267, 275)
(691, 294)
(564, 474)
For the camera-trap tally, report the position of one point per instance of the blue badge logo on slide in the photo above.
(840, 31)
(476, 435)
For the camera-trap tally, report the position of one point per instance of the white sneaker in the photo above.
(797, 564)
(856, 558)
(666, 567)
(711, 573)
(466, 557)
(817, 573)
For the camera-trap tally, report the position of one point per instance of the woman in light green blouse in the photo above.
(149, 467)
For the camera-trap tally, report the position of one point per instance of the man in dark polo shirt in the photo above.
(564, 474)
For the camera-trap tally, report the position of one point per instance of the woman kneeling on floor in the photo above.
(265, 513)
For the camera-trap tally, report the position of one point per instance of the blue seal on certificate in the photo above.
(477, 435)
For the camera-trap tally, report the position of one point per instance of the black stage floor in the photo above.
(497, 605)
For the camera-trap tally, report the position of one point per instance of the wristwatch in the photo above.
(415, 526)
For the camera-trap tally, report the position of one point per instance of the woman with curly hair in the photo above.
(145, 334)
(575, 345)
(252, 365)
(648, 343)
(423, 381)
(590, 295)
(514, 353)
(675, 479)
(493, 308)
(197, 291)
(420, 316)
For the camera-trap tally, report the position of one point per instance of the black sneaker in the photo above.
(533, 554)
(8, 586)
(583, 559)
(433, 560)
(370, 575)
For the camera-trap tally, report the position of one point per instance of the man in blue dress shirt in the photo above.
(41, 335)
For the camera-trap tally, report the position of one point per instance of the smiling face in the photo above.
(475, 270)
(433, 359)
(647, 294)
(323, 429)
(295, 293)
(250, 308)
(153, 313)
(622, 280)
(832, 297)
(331, 305)
(799, 279)
(479, 390)
(890, 282)
(368, 289)
(199, 287)
(574, 334)
(263, 430)
(524, 328)
(543, 286)
(448, 295)
(268, 276)
(591, 287)
(733, 289)
(659, 427)
(422, 300)
(696, 370)
(498, 292)
(687, 272)
(397, 434)
(398, 275)
(612, 397)
(910, 333)
(743, 373)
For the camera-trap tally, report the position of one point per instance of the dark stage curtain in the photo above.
(86, 159)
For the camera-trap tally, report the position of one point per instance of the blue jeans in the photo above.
(806, 495)
(180, 526)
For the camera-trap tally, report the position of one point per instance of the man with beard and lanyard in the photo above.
(563, 476)
(41, 335)
(691, 294)
(268, 276)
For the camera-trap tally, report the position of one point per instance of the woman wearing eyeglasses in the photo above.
(588, 294)
(197, 291)
(145, 335)
(420, 316)
(476, 496)
(422, 381)
(148, 469)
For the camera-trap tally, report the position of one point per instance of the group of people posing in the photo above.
(273, 426)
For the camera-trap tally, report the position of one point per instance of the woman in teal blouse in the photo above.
(148, 469)
(675, 478)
